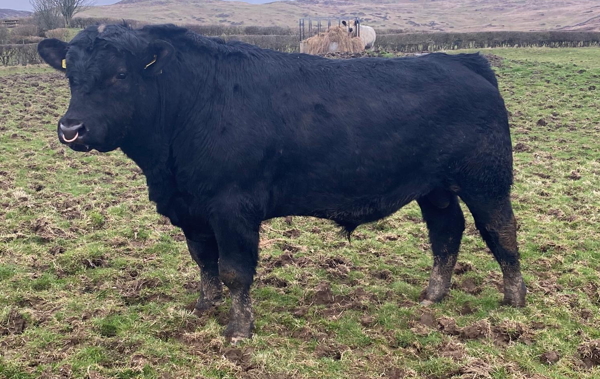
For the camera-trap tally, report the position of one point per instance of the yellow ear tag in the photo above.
(64, 63)
(151, 63)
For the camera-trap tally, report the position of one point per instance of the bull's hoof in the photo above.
(204, 305)
(236, 332)
(431, 296)
(514, 295)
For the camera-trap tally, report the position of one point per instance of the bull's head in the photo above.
(110, 69)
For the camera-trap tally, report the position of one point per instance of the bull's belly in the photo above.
(350, 208)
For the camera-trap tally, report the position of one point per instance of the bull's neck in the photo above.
(165, 112)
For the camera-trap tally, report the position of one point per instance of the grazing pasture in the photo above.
(93, 283)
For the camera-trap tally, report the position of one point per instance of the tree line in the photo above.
(52, 14)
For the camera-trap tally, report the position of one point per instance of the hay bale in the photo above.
(336, 39)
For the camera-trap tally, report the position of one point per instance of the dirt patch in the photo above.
(285, 259)
(470, 286)
(428, 319)
(462, 267)
(510, 331)
(521, 148)
(323, 294)
(466, 309)
(495, 60)
(367, 320)
(549, 358)
(589, 352)
(399, 373)
(479, 329)
(453, 350)
(13, 323)
(447, 325)
(476, 368)
(292, 233)
(240, 357)
(329, 351)
(274, 281)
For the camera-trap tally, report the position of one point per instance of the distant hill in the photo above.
(11, 13)
(408, 15)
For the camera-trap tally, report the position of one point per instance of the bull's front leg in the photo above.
(205, 252)
(238, 256)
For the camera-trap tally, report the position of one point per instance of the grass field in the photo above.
(94, 284)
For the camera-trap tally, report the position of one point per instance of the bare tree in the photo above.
(48, 10)
(69, 8)
(46, 14)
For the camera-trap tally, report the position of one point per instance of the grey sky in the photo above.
(23, 5)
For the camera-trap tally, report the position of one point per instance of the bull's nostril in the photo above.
(70, 133)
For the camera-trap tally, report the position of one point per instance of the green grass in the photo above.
(93, 283)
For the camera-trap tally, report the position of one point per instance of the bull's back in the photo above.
(385, 132)
(390, 110)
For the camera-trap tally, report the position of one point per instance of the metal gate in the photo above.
(316, 25)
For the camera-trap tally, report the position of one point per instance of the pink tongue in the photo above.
(67, 139)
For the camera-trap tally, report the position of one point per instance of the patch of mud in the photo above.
(466, 309)
(284, 259)
(240, 357)
(476, 368)
(274, 281)
(13, 323)
(462, 267)
(495, 60)
(323, 294)
(399, 373)
(477, 330)
(549, 358)
(511, 331)
(589, 352)
(448, 326)
(330, 351)
(453, 350)
(469, 285)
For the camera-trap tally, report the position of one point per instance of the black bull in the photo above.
(229, 135)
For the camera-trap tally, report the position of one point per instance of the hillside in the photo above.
(11, 13)
(409, 15)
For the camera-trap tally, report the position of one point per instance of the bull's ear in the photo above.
(158, 56)
(54, 52)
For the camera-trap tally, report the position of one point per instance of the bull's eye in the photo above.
(121, 75)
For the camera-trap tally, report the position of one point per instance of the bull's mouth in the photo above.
(81, 148)
(76, 142)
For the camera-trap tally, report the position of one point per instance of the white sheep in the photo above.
(367, 33)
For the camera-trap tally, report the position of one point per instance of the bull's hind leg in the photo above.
(497, 225)
(205, 253)
(446, 224)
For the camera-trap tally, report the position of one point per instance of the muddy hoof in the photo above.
(204, 305)
(514, 296)
(428, 298)
(236, 333)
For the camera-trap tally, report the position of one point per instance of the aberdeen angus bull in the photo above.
(229, 135)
